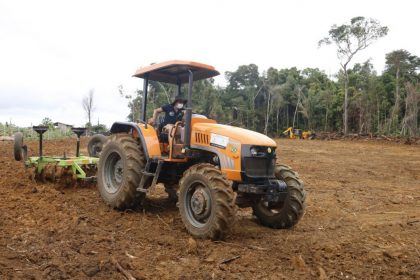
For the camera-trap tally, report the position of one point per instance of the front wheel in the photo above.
(288, 212)
(206, 202)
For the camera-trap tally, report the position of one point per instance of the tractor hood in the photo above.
(244, 136)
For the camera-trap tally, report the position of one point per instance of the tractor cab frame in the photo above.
(175, 72)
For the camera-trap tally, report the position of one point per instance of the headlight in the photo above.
(254, 151)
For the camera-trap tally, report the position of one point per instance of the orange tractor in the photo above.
(210, 168)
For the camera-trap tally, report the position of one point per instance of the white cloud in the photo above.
(53, 52)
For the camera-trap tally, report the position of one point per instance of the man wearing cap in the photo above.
(173, 113)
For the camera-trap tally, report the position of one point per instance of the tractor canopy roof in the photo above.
(176, 71)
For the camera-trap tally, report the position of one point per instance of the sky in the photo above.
(53, 52)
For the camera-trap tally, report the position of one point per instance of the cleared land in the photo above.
(362, 222)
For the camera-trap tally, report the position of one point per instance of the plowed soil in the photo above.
(362, 222)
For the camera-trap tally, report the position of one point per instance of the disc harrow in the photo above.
(67, 169)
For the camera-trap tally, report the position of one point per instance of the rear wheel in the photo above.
(96, 144)
(206, 202)
(19, 150)
(119, 171)
(288, 212)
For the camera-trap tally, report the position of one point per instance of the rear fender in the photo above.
(146, 134)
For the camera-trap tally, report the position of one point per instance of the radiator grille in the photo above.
(202, 138)
(259, 167)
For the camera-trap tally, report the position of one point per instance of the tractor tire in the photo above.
(119, 171)
(206, 202)
(96, 144)
(287, 213)
(19, 150)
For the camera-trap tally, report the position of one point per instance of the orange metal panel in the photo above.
(200, 120)
(234, 175)
(157, 66)
(151, 139)
(176, 71)
(244, 136)
(230, 157)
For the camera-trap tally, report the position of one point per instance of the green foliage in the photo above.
(47, 122)
(271, 101)
(28, 133)
(349, 40)
(354, 37)
(99, 128)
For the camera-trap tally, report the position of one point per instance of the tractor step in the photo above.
(147, 174)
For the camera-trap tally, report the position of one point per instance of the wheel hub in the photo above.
(198, 202)
(118, 171)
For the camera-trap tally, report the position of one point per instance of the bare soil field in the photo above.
(362, 222)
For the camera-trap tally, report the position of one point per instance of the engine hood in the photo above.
(241, 135)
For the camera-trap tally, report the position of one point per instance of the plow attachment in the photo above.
(56, 168)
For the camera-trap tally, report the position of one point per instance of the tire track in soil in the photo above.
(361, 222)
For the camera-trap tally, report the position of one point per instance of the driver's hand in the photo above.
(151, 121)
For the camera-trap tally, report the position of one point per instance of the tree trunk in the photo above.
(297, 105)
(379, 115)
(294, 116)
(346, 92)
(396, 109)
(267, 114)
(410, 121)
(361, 117)
(326, 119)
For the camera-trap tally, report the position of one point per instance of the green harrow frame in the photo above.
(55, 167)
(75, 164)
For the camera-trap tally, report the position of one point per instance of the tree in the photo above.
(88, 105)
(134, 103)
(299, 89)
(410, 121)
(47, 122)
(275, 99)
(245, 82)
(361, 103)
(349, 40)
(99, 128)
(402, 65)
(326, 101)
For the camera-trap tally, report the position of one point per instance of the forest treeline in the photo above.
(272, 100)
(355, 100)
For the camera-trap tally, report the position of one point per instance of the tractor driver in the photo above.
(173, 113)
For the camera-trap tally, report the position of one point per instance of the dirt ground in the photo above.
(362, 222)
